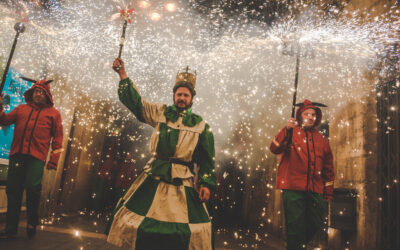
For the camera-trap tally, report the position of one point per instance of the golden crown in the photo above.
(186, 76)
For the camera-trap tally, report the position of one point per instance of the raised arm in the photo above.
(144, 111)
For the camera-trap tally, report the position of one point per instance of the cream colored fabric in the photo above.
(187, 140)
(153, 113)
(123, 231)
(200, 236)
(188, 182)
(154, 140)
(169, 204)
(186, 145)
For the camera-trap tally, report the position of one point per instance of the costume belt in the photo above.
(189, 164)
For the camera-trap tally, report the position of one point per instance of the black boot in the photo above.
(31, 232)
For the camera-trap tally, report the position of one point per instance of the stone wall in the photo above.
(353, 142)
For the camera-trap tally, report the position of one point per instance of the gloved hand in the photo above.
(328, 192)
(51, 166)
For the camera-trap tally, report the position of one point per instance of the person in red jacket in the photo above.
(305, 174)
(37, 125)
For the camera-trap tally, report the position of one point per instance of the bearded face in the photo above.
(183, 98)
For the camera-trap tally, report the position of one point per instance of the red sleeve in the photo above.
(278, 143)
(56, 144)
(328, 172)
(8, 119)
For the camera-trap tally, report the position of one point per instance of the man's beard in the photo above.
(180, 109)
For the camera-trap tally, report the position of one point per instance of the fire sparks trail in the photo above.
(245, 65)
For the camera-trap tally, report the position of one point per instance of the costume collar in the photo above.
(188, 117)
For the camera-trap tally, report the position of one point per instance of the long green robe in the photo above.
(161, 210)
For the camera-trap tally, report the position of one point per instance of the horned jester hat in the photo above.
(43, 85)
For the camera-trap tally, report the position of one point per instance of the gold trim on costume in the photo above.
(275, 142)
(58, 151)
(329, 183)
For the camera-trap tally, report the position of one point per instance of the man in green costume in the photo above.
(162, 209)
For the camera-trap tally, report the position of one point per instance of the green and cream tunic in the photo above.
(161, 210)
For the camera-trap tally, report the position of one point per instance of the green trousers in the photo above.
(24, 172)
(304, 214)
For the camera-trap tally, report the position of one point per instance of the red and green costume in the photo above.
(36, 128)
(305, 175)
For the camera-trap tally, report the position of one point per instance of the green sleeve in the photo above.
(131, 98)
(204, 156)
(150, 113)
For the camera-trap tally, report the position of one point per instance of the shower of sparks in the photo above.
(245, 71)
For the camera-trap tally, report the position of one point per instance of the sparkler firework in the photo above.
(126, 15)
(245, 89)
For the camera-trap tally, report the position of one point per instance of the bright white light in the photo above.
(155, 16)
(170, 7)
(144, 4)
(76, 233)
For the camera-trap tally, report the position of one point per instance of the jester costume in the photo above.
(306, 176)
(161, 209)
(37, 127)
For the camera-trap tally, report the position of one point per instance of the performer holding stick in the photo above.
(37, 126)
(162, 209)
(305, 174)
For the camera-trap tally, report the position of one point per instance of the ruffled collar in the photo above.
(188, 117)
